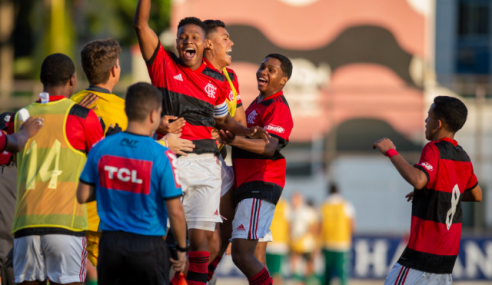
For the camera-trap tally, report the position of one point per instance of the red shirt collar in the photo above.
(54, 98)
(280, 93)
(455, 143)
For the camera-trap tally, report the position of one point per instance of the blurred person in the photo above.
(197, 93)
(303, 231)
(259, 166)
(8, 185)
(133, 179)
(50, 240)
(442, 179)
(337, 228)
(101, 65)
(278, 249)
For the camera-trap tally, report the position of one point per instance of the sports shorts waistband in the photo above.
(197, 156)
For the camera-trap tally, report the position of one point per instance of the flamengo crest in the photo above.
(210, 89)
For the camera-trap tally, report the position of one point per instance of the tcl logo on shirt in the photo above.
(427, 166)
(210, 89)
(275, 129)
(125, 174)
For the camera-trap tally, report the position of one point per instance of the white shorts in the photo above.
(227, 176)
(267, 237)
(61, 258)
(252, 219)
(402, 275)
(200, 177)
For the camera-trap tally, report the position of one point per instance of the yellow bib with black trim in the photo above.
(111, 110)
(336, 226)
(232, 105)
(48, 173)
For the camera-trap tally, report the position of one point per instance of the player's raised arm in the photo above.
(411, 174)
(147, 38)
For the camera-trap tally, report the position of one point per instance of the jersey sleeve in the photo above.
(156, 65)
(93, 130)
(170, 187)
(429, 162)
(220, 108)
(278, 123)
(472, 182)
(3, 141)
(89, 174)
(349, 210)
(11, 124)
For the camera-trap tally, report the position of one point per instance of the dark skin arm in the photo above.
(86, 193)
(240, 116)
(258, 146)
(178, 226)
(232, 126)
(412, 175)
(147, 38)
(17, 141)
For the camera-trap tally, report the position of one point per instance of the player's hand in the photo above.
(383, 145)
(216, 137)
(31, 126)
(113, 130)
(175, 127)
(88, 101)
(180, 264)
(227, 137)
(409, 196)
(228, 250)
(178, 145)
(259, 133)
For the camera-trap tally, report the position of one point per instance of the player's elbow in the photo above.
(478, 197)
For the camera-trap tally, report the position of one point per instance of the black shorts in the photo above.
(126, 258)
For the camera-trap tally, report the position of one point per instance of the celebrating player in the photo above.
(49, 225)
(134, 182)
(442, 179)
(259, 166)
(197, 93)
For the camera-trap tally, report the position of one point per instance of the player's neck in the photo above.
(139, 128)
(443, 134)
(108, 85)
(265, 95)
(215, 62)
(59, 90)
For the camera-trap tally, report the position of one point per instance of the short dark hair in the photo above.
(451, 111)
(56, 70)
(332, 188)
(141, 99)
(212, 25)
(98, 57)
(194, 21)
(285, 63)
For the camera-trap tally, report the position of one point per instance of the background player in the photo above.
(133, 179)
(442, 179)
(259, 166)
(50, 237)
(196, 93)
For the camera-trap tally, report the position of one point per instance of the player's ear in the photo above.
(284, 80)
(73, 80)
(208, 44)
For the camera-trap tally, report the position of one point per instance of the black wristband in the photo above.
(185, 249)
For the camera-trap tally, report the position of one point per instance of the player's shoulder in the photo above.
(213, 74)
(449, 151)
(277, 101)
(232, 74)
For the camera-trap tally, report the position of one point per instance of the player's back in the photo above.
(436, 210)
(132, 183)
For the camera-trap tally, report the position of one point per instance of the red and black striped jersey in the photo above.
(235, 83)
(259, 176)
(198, 96)
(3, 141)
(5, 156)
(436, 210)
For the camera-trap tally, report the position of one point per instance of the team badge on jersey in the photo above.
(210, 89)
(252, 117)
(125, 174)
(231, 96)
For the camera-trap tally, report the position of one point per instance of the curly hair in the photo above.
(56, 70)
(451, 111)
(98, 58)
(193, 21)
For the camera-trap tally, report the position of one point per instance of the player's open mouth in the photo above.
(262, 81)
(189, 53)
(228, 52)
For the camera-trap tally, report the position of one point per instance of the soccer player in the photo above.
(337, 227)
(49, 225)
(197, 93)
(133, 179)
(259, 166)
(442, 179)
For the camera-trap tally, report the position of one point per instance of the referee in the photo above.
(133, 180)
